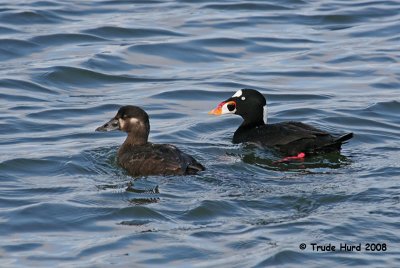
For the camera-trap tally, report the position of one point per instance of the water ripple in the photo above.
(11, 48)
(120, 32)
(65, 39)
(245, 6)
(72, 76)
(26, 86)
(30, 17)
(7, 30)
(181, 52)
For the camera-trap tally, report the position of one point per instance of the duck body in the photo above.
(289, 138)
(156, 159)
(142, 158)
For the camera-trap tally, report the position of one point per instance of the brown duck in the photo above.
(142, 158)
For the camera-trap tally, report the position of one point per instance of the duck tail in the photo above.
(344, 138)
(195, 167)
(336, 144)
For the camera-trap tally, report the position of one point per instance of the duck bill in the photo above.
(223, 108)
(111, 125)
(217, 110)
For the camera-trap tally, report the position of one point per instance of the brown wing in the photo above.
(156, 159)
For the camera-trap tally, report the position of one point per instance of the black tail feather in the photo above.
(336, 145)
(344, 138)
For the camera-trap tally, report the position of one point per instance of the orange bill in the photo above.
(217, 110)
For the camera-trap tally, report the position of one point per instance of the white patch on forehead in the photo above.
(238, 93)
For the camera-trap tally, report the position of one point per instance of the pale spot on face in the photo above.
(134, 120)
(128, 122)
(243, 98)
(238, 94)
(121, 123)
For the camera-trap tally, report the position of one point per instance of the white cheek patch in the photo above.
(132, 121)
(121, 123)
(225, 109)
(238, 93)
(265, 114)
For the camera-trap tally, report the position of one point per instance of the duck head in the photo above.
(248, 103)
(132, 120)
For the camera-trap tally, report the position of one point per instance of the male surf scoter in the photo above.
(290, 138)
(142, 158)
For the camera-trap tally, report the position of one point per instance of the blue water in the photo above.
(67, 66)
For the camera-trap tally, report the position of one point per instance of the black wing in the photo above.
(292, 138)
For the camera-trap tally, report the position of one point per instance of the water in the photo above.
(66, 67)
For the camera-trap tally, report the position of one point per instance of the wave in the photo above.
(121, 32)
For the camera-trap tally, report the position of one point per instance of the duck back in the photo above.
(157, 159)
(291, 138)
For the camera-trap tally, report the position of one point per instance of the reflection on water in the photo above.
(67, 65)
(317, 163)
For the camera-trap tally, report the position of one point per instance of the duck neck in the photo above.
(254, 122)
(242, 133)
(253, 117)
(130, 142)
(136, 137)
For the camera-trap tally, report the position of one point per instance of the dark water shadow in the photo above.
(270, 159)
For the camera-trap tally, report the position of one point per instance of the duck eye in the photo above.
(231, 107)
(243, 98)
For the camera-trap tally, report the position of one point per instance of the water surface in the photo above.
(66, 67)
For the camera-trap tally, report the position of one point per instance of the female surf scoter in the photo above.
(142, 158)
(290, 138)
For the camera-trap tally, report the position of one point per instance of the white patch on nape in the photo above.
(238, 93)
(265, 114)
